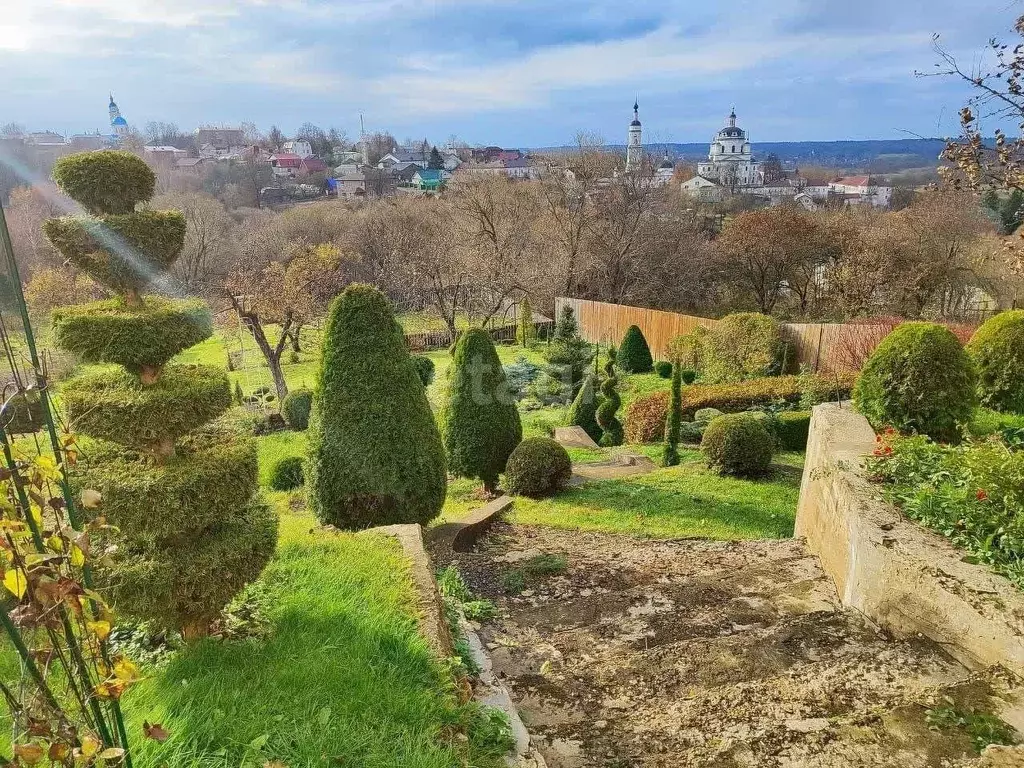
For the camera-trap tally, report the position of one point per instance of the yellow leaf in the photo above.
(56, 543)
(30, 753)
(91, 498)
(110, 753)
(99, 628)
(90, 746)
(125, 670)
(16, 582)
(77, 556)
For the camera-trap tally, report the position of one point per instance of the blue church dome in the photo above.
(119, 121)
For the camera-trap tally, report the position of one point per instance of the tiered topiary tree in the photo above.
(481, 421)
(919, 379)
(634, 354)
(611, 427)
(997, 349)
(583, 412)
(375, 455)
(192, 531)
(674, 419)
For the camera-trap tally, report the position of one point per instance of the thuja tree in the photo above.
(481, 421)
(568, 355)
(634, 353)
(375, 455)
(527, 331)
(181, 492)
(674, 419)
(611, 427)
(583, 412)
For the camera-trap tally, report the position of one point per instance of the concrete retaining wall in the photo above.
(900, 575)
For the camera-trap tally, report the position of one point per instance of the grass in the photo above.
(342, 679)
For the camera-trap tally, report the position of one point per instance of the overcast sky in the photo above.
(512, 72)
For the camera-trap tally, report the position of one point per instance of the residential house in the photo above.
(860, 190)
(88, 142)
(348, 185)
(403, 173)
(286, 164)
(310, 165)
(349, 158)
(219, 141)
(45, 139)
(161, 152)
(193, 164)
(298, 147)
(430, 179)
(704, 190)
(401, 155)
(513, 168)
(451, 162)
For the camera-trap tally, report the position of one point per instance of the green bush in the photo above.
(997, 349)
(791, 429)
(919, 379)
(375, 455)
(738, 444)
(583, 411)
(705, 415)
(607, 420)
(296, 408)
(520, 375)
(286, 474)
(634, 356)
(424, 369)
(663, 368)
(689, 375)
(674, 420)
(568, 357)
(110, 332)
(692, 432)
(481, 425)
(106, 182)
(537, 467)
(744, 345)
(111, 404)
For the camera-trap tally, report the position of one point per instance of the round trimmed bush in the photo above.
(634, 356)
(705, 415)
(105, 182)
(286, 474)
(424, 368)
(688, 375)
(663, 368)
(997, 349)
(296, 407)
(918, 380)
(738, 444)
(743, 345)
(375, 455)
(537, 467)
(481, 425)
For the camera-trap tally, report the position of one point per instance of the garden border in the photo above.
(460, 535)
(907, 579)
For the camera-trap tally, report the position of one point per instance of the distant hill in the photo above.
(878, 156)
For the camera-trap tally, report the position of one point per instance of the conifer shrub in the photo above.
(674, 420)
(481, 424)
(607, 420)
(286, 474)
(738, 444)
(634, 356)
(664, 369)
(997, 349)
(688, 375)
(296, 407)
(583, 412)
(178, 486)
(918, 380)
(424, 369)
(375, 455)
(538, 467)
(569, 357)
(526, 332)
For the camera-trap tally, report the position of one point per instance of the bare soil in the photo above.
(697, 653)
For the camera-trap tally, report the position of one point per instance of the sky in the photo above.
(518, 73)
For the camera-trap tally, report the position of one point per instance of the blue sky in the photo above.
(511, 72)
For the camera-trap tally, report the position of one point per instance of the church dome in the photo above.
(119, 121)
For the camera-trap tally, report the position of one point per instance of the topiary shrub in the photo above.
(663, 368)
(791, 429)
(997, 349)
(692, 432)
(375, 455)
(424, 369)
(738, 444)
(481, 425)
(743, 345)
(537, 467)
(705, 415)
(583, 412)
(611, 427)
(286, 474)
(296, 408)
(178, 488)
(919, 379)
(688, 375)
(674, 420)
(634, 356)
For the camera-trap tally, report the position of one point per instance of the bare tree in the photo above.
(209, 240)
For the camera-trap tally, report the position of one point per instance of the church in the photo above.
(730, 162)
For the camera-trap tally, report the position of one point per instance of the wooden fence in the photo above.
(824, 347)
(427, 340)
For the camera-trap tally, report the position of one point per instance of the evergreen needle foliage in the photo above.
(375, 455)
(611, 427)
(527, 330)
(481, 421)
(583, 412)
(568, 355)
(634, 355)
(674, 420)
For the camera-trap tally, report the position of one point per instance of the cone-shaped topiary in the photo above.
(919, 379)
(481, 422)
(674, 419)
(611, 427)
(583, 412)
(997, 349)
(375, 455)
(181, 493)
(634, 355)
(296, 408)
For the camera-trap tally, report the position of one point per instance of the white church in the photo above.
(730, 161)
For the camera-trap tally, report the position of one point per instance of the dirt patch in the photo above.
(696, 653)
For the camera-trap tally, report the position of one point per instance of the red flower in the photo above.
(981, 495)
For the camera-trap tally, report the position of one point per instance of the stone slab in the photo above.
(460, 535)
(574, 437)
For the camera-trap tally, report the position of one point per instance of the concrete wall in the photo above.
(900, 575)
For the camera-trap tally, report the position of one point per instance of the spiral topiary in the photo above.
(583, 412)
(997, 349)
(611, 427)
(179, 489)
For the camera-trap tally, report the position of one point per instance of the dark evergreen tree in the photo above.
(435, 162)
(375, 455)
(611, 427)
(674, 419)
(481, 421)
(634, 354)
(568, 355)
(583, 412)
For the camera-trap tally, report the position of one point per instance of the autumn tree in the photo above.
(209, 240)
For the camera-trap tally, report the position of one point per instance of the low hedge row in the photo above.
(645, 417)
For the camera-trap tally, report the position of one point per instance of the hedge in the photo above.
(111, 404)
(480, 421)
(738, 444)
(110, 332)
(106, 182)
(296, 408)
(645, 417)
(375, 454)
(997, 349)
(791, 429)
(287, 474)
(537, 467)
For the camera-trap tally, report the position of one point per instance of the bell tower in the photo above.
(634, 144)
